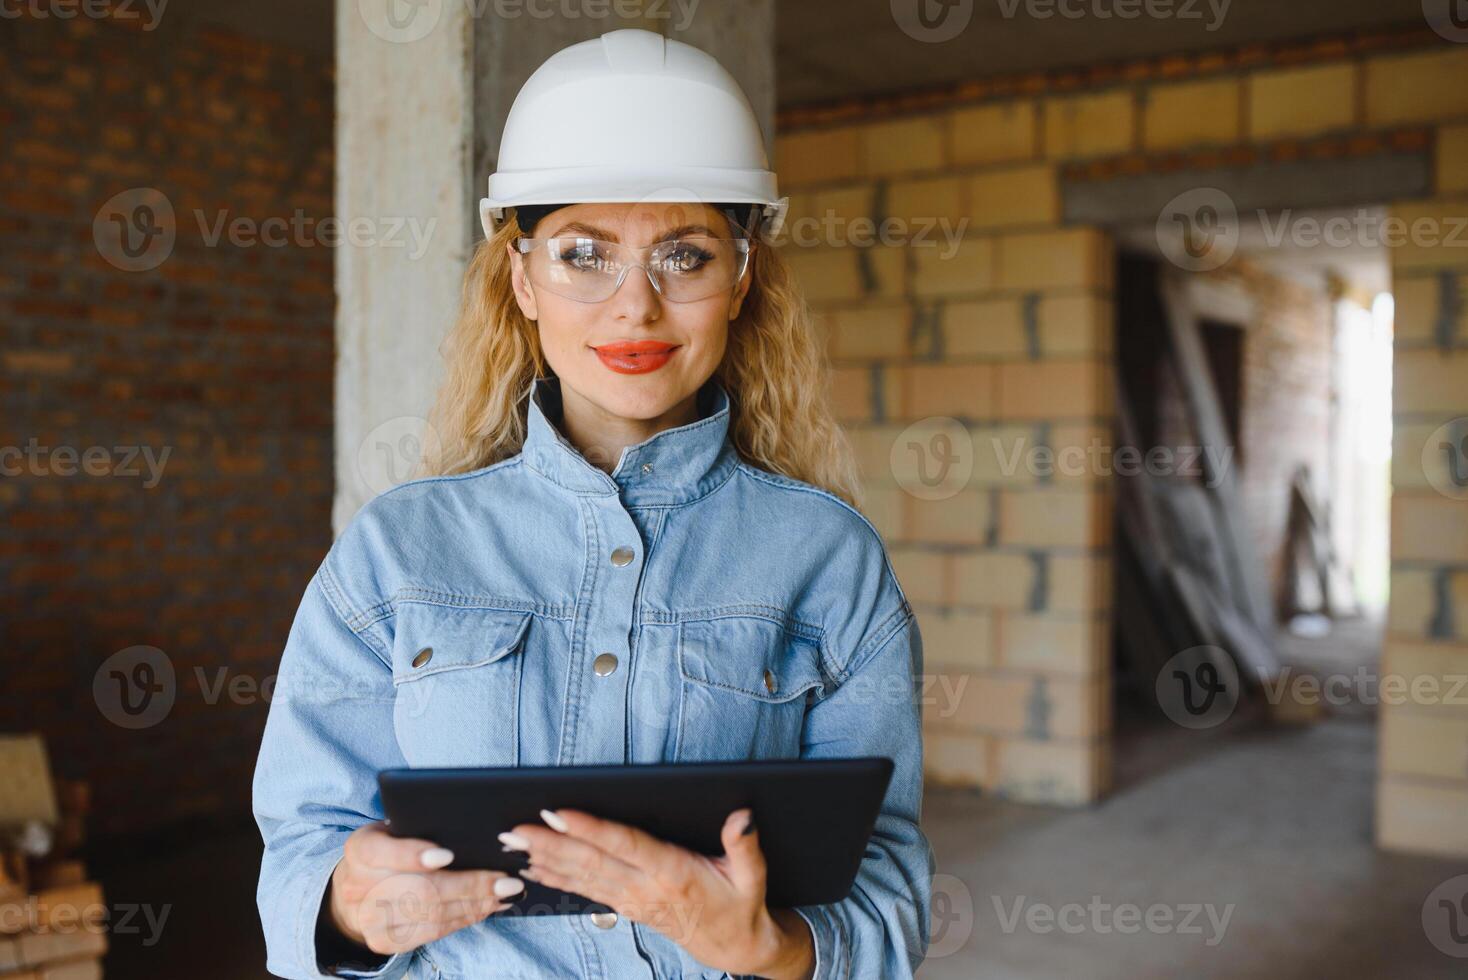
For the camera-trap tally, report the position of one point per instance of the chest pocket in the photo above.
(746, 683)
(457, 674)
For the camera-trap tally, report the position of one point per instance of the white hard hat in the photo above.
(632, 116)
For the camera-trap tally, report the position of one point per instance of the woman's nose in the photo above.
(636, 298)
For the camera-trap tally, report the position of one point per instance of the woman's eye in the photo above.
(685, 257)
(585, 256)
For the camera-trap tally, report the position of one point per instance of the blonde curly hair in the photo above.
(773, 370)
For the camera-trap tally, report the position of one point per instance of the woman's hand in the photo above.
(712, 907)
(388, 894)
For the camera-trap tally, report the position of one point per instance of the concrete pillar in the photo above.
(423, 90)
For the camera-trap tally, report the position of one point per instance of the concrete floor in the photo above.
(1275, 822)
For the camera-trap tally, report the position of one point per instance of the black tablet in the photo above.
(815, 816)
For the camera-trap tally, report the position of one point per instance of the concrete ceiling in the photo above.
(828, 50)
(835, 49)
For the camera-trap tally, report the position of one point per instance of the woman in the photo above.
(638, 547)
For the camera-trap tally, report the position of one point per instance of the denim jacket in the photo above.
(731, 614)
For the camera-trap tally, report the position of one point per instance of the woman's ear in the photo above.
(741, 288)
(524, 295)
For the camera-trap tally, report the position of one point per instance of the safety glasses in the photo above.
(590, 270)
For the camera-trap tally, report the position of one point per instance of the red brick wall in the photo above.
(220, 356)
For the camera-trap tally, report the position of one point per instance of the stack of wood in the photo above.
(1186, 569)
(53, 925)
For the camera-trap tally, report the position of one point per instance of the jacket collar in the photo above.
(674, 466)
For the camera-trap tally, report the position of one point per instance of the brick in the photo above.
(1045, 518)
(1416, 743)
(1430, 381)
(953, 759)
(1427, 235)
(1414, 466)
(1052, 389)
(1413, 602)
(870, 331)
(1417, 87)
(1083, 453)
(963, 518)
(1431, 677)
(993, 580)
(1429, 527)
(872, 447)
(922, 574)
(1070, 325)
(901, 146)
(1302, 101)
(1045, 260)
(1035, 706)
(1419, 308)
(992, 328)
(887, 268)
(827, 217)
(811, 156)
(1070, 773)
(884, 506)
(1078, 584)
(927, 199)
(1052, 643)
(1103, 124)
(1005, 455)
(968, 269)
(957, 638)
(1422, 817)
(45, 947)
(861, 394)
(964, 391)
(1191, 114)
(996, 133)
(826, 274)
(1451, 160)
(1008, 198)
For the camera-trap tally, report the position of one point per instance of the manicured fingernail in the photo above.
(436, 857)
(555, 821)
(514, 842)
(505, 887)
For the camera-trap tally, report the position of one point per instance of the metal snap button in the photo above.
(604, 664)
(424, 655)
(770, 684)
(622, 556)
(646, 468)
(603, 920)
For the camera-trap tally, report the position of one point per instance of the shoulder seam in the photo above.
(331, 590)
(786, 483)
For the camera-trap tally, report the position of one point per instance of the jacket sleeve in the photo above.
(882, 928)
(329, 731)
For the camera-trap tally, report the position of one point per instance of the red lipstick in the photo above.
(635, 356)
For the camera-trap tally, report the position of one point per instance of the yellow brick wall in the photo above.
(1009, 333)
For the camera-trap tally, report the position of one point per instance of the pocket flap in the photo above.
(751, 656)
(431, 639)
